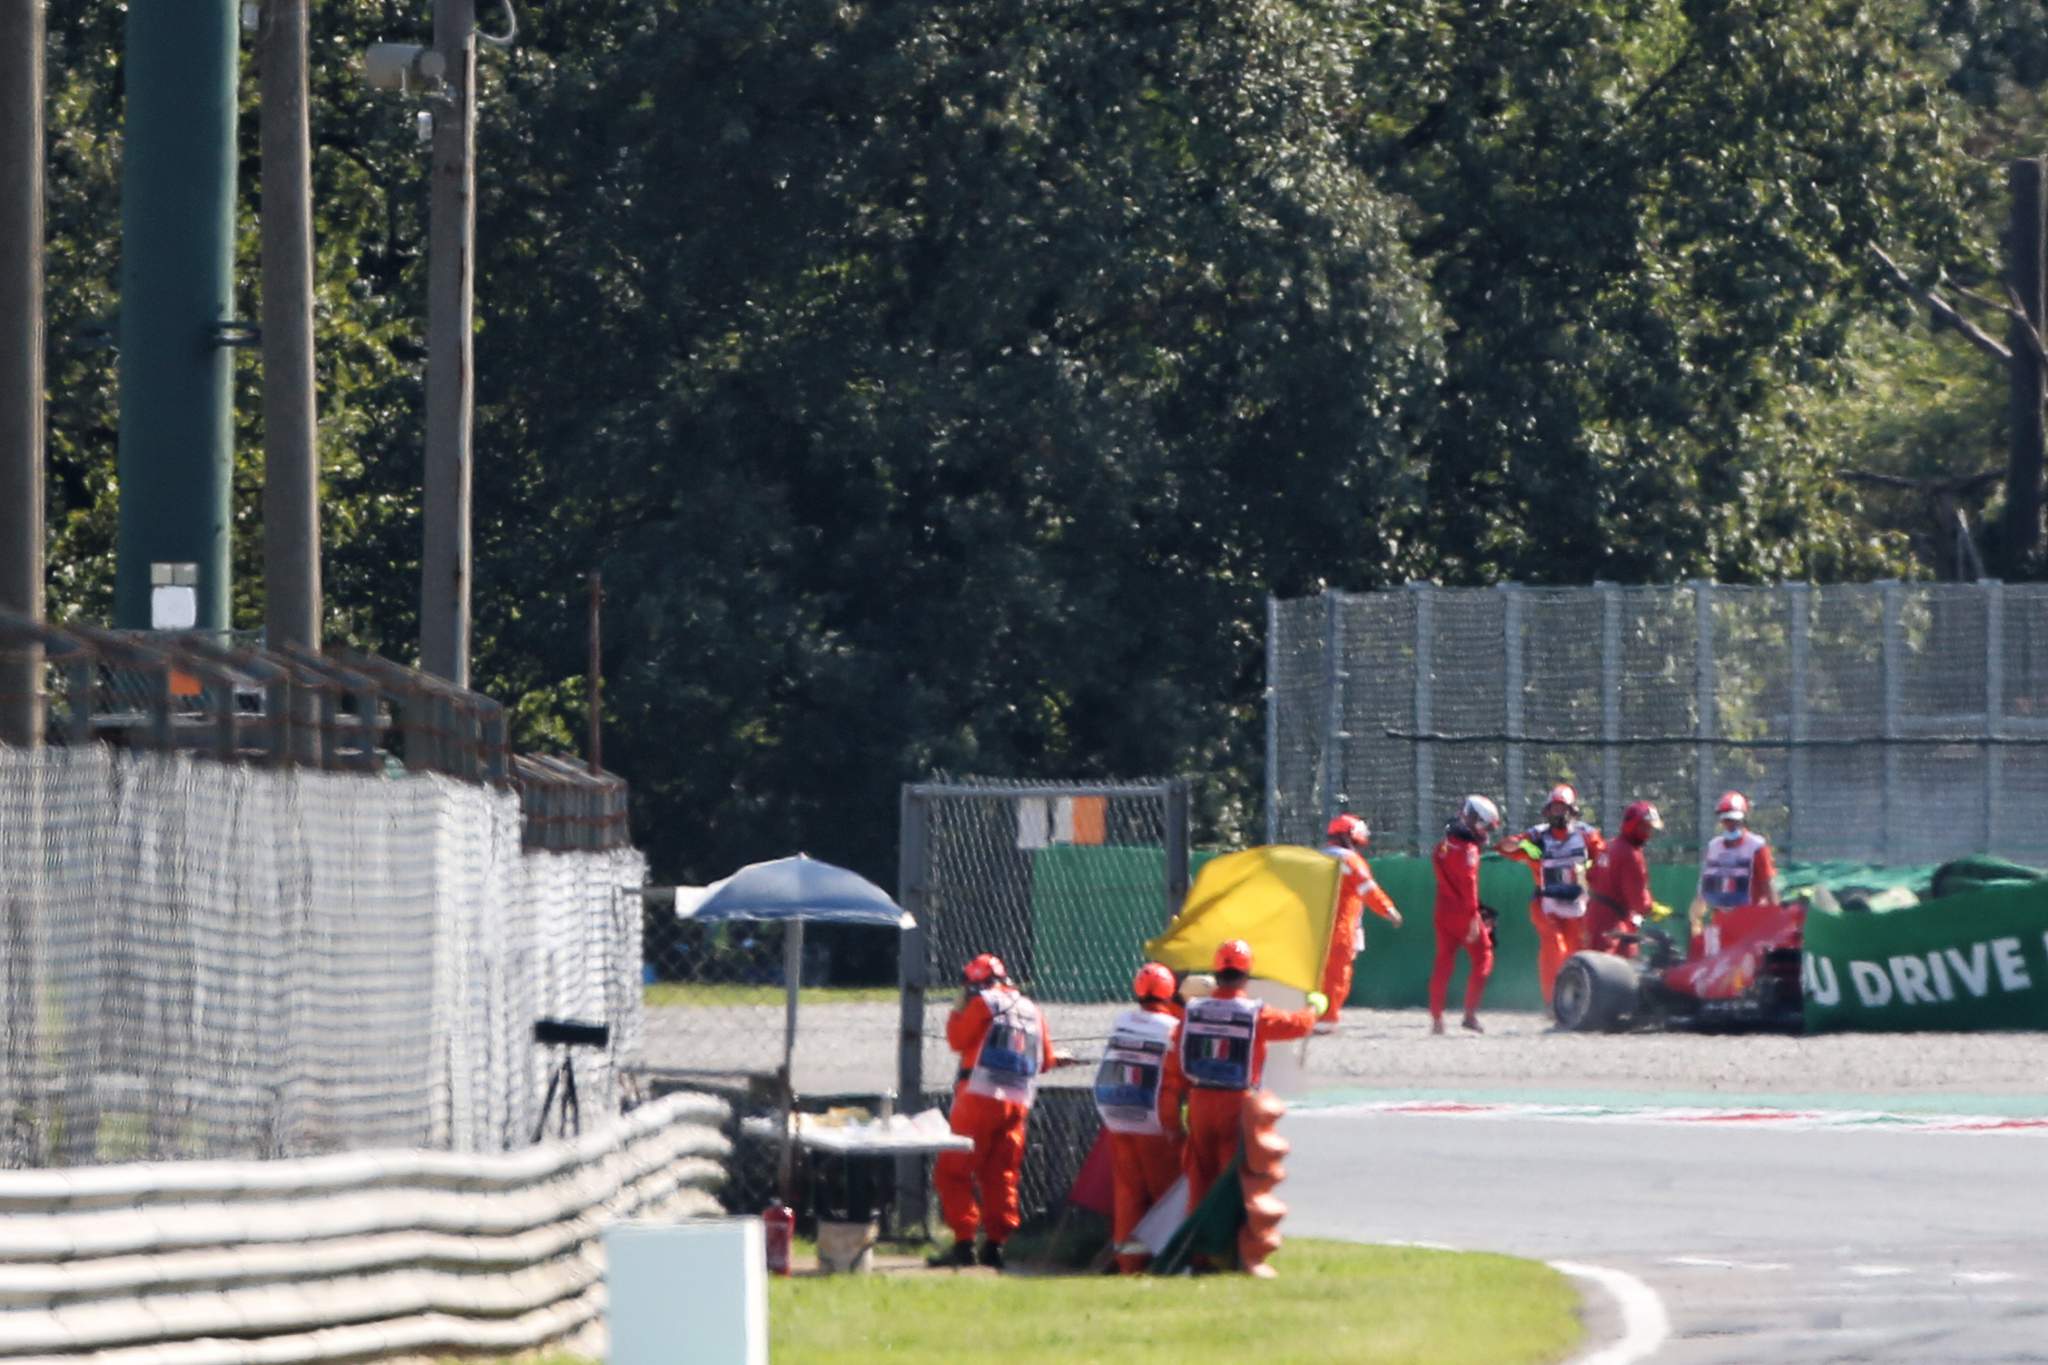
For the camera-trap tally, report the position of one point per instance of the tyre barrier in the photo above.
(356, 1256)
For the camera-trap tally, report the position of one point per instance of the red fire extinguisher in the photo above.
(779, 1222)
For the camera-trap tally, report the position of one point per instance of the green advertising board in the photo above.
(1969, 962)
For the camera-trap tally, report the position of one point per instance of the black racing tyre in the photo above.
(1595, 992)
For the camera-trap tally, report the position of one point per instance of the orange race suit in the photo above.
(1138, 1091)
(1221, 1048)
(1357, 893)
(1458, 922)
(1558, 909)
(1617, 894)
(1004, 1047)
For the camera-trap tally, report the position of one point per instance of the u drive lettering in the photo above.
(1938, 976)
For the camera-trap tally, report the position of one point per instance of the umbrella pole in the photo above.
(792, 974)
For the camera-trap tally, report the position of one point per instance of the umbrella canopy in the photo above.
(799, 888)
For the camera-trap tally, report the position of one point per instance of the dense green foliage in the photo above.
(945, 386)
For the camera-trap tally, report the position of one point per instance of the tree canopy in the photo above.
(944, 387)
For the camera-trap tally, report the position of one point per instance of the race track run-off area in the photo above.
(1865, 1198)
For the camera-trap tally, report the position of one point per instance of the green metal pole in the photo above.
(177, 278)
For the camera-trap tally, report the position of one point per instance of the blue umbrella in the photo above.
(794, 891)
(800, 889)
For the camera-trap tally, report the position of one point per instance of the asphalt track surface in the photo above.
(1818, 1244)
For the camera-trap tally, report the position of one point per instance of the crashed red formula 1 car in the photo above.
(1742, 974)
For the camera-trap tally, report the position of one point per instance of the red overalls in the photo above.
(1003, 1046)
(1458, 924)
(1357, 894)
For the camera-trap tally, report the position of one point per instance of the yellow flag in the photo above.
(1279, 899)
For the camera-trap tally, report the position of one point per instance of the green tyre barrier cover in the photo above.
(1965, 963)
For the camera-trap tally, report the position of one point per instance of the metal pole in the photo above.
(1798, 603)
(1176, 800)
(21, 360)
(596, 672)
(792, 974)
(1425, 710)
(177, 283)
(451, 243)
(1994, 707)
(912, 970)
(1514, 702)
(1707, 718)
(1272, 719)
(291, 448)
(1892, 677)
(1333, 706)
(1610, 703)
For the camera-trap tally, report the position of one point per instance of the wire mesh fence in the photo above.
(270, 903)
(207, 960)
(1888, 722)
(1063, 881)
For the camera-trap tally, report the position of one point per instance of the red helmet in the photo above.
(1234, 955)
(1153, 982)
(1350, 829)
(1640, 821)
(984, 970)
(1562, 794)
(1732, 806)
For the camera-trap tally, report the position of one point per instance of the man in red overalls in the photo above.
(1003, 1046)
(1357, 893)
(1459, 922)
(1138, 1092)
(1558, 851)
(1618, 887)
(1221, 1044)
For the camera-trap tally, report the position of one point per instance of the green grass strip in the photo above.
(1333, 1304)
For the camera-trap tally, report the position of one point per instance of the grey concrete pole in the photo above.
(21, 356)
(451, 244)
(291, 448)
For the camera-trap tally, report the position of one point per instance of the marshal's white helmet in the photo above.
(1480, 813)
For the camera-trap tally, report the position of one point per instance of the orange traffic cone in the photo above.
(1259, 1171)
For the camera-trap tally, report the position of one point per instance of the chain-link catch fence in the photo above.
(1064, 882)
(1883, 722)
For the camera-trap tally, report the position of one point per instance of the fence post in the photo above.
(1799, 610)
(1994, 707)
(1272, 719)
(1514, 771)
(1706, 721)
(1890, 674)
(912, 958)
(1610, 701)
(81, 675)
(1176, 846)
(1333, 703)
(1425, 710)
